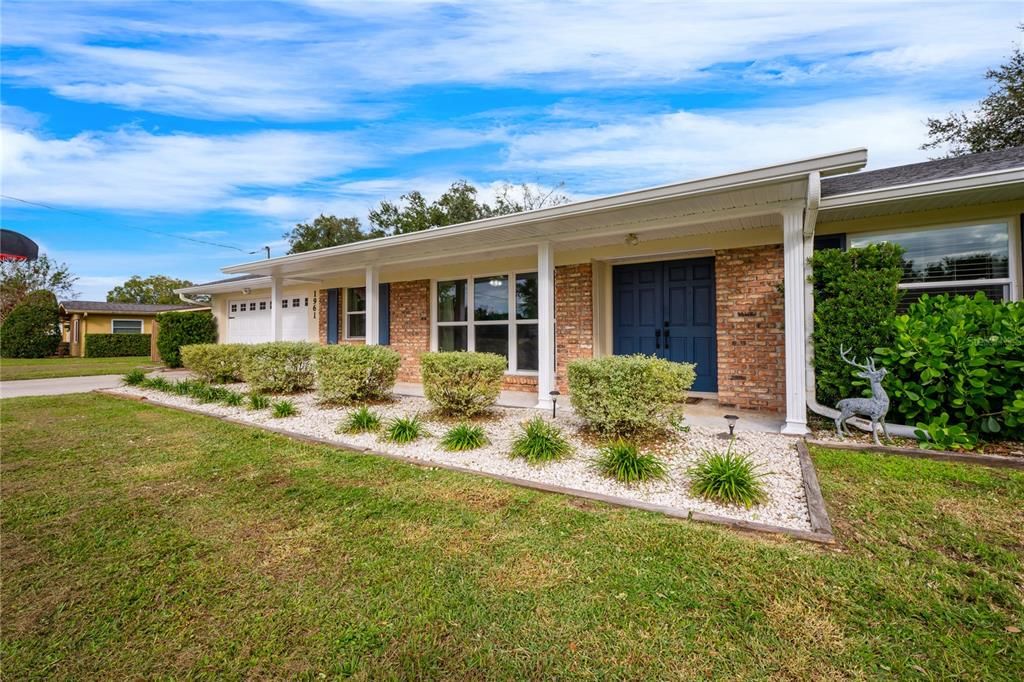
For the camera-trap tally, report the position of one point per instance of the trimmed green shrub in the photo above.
(462, 384)
(186, 328)
(258, 401)
(962, 357)
(626, 395)
(625, 463)
(404, 429)
(284, 408)
(116, 345)
(279, 367)
(360, 421)
(32, 328)
(856, 293)
(540, 442)
(133, 377)
(728, 478)
(464, 437)
(217, 363)
(346, 374)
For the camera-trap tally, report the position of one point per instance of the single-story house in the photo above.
(711, 271)
(80, 318)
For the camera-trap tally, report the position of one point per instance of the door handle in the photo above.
(666, 337)
(657, 338)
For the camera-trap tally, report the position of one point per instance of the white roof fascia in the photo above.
(226, 287)
(829, 164)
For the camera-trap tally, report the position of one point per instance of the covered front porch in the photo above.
(754, 228)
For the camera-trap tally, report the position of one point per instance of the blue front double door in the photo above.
(667, 309)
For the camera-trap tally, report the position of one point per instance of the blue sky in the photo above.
(228, 122)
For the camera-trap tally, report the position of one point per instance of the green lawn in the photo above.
(140, 542)
(48, 368)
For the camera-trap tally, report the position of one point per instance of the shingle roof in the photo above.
(940, 169)
(138, 308)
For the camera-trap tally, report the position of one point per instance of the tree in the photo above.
(32, 329)
(997, 124)
(18, 279)
(324, 231)
(154, 290)
(458, 204)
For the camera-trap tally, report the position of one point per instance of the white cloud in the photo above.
(324, 61)
(631, 151)
(179, 172)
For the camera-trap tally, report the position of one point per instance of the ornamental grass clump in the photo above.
(258, 401)
(347, 374)
(728, 478)
(158, 384)
(404, 430)
(363, 420)
(462, 384)
(133, 377)
(540, 442)
(233, 399)
(284, 408)
(625, 463)
(629, 395)
(464, 437)
(185, 387)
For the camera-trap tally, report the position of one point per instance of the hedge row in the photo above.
(116, 345)
(179, 329)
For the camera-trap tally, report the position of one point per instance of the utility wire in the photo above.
(133, 227)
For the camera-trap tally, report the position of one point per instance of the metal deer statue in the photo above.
(874, 408)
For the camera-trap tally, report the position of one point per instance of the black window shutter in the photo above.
(332, 316)
(384, 315)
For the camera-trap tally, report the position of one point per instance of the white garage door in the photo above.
(249, 321)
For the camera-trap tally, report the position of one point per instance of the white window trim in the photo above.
(1010, 284)
(346, 313)
(142, 323)
(470, 323)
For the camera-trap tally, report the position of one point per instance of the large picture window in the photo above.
(959, 259)
(126, 326)
(492, 314)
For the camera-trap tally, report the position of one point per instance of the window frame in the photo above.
(1011, 283)
(142, 324)
(470, 323)
(346, 312)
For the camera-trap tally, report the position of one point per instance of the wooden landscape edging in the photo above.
(821, 536)
(997, 461)
(820, 523)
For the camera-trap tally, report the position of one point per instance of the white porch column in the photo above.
(276, 290)
(545, 323)
(796, 328)
(372, 305)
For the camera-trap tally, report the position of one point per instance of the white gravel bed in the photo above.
(775, 454)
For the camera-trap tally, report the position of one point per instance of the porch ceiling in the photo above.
(725, 202)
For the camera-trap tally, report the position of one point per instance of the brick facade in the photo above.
(751, 328)
(574, 318)
(410, 325)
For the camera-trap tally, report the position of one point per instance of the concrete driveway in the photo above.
(62, 385)
(58, 386)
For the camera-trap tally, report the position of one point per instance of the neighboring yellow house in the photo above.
(80, 318)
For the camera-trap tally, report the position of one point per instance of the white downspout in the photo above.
(190, 301)
(810, 219)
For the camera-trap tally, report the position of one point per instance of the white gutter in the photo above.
(810, 219)
(828, 164)
(190, 301)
